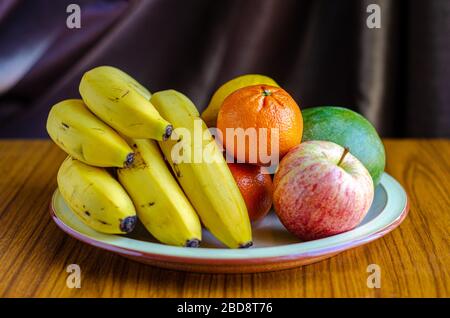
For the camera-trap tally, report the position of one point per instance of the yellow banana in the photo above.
(160, 203)
(96, 197)
(85, 137)
(208, 183)
(115, 100)
(209, 115)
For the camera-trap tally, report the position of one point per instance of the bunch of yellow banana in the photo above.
(111, 127)
(96, 197)
(208, 183)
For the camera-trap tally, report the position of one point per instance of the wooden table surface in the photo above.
(34, 253)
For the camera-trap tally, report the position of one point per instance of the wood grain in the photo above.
(34, 253)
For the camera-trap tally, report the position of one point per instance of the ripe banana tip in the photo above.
(168, 132)
(246, 245)
(127, 225)
(129, 160)
(193, 243)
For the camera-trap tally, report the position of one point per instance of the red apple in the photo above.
(320, 189)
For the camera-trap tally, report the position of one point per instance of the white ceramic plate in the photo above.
(274, 247)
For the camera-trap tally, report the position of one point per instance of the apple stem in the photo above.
(344, 153)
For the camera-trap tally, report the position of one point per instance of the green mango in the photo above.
(348, 129)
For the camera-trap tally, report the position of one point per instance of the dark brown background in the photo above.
(320, 51)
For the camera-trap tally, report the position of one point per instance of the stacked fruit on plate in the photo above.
(127, 150)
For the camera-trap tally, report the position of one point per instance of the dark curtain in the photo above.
(321, 52)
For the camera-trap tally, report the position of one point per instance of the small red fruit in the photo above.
(256, 188)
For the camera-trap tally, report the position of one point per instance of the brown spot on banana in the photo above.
(99, 130)
(177, 170)
(148, 204)
(103, 222)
